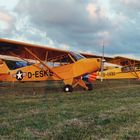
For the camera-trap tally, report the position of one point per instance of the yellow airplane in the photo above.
(126, 68)
(21, 61)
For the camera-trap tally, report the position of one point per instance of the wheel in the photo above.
(68, 88)
(90, 86)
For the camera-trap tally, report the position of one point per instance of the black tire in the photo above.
(90, 86)
(68, 88)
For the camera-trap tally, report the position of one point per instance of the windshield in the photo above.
(76, 56)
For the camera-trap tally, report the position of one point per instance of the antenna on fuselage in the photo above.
(102, 62)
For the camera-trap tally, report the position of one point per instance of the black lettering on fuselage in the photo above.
(41, 73)
(29, 75)
(38, 74)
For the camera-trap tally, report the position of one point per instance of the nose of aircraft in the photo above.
(92, 64)
(85, 66)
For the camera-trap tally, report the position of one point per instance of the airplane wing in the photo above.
(123, 61)
(24, 50)
(96, 56)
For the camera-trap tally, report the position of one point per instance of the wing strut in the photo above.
(31, 53)
(135, 73)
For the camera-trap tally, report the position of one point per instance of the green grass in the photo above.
(111, 111)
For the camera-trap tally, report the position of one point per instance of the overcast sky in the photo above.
(78, 25)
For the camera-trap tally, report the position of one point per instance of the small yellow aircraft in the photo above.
(21, 61)
(126, 68)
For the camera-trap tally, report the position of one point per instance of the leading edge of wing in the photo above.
(10, 47)
(10, 43)
(123, 61)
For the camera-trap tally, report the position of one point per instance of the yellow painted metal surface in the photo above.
(78, 68)
(3, 67)
(37, 72)
(119, 73)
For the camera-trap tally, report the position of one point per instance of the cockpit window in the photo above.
(76, 56)
(12, 65)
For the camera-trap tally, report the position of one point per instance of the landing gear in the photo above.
(68, 88)
(89, 86)
(71, 83)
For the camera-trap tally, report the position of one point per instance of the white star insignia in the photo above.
(19, 75)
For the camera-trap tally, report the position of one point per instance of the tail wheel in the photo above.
(68, 88)
(90, 86)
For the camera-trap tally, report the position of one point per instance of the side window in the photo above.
(16, 64)
(77, 56)
(11, 64)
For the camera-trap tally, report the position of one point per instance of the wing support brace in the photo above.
(32, 54)
(135, 73)
(81, 83)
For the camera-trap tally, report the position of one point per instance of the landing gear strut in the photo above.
(71, 83)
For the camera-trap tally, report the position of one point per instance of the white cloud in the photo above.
(92, 10)
(64, 47)
(10, 4)
(96, 11)
(6, 22)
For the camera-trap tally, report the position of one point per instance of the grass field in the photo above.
(111, 111)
